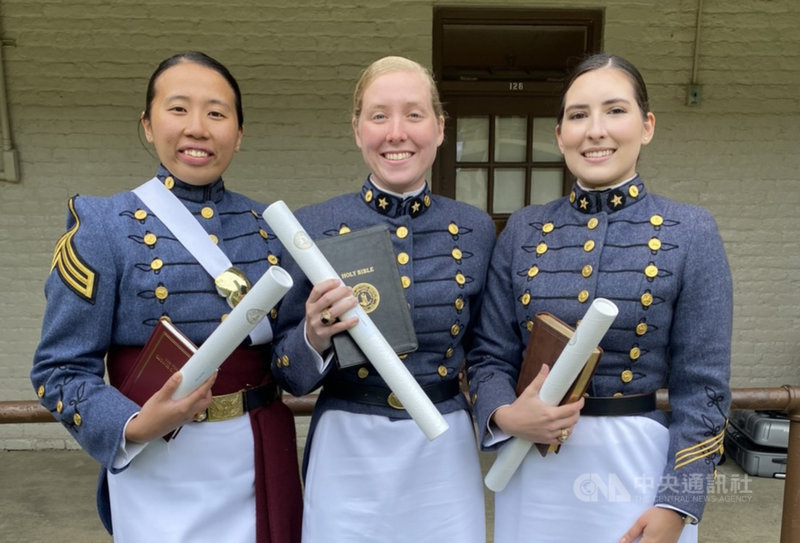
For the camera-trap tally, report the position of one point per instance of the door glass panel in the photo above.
(509, 190)
(472, 139)
(511, 139)
(472, 186)
(545, 148)
(546, 185)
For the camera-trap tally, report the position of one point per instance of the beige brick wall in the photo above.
(76, 71)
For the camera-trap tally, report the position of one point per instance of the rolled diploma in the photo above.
(366, 335)
(570, 362)
(260, 299)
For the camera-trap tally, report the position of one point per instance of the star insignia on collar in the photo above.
(415, 207)
(616, 200)
(584, 203)
(383, 203)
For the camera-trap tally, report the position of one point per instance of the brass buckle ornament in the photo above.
(226, 406)
(232, 284)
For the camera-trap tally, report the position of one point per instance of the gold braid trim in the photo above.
(72, 270)
(703, 449)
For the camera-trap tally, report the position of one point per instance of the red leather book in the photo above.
(166, 351)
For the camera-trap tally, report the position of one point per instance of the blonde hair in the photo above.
(388, 65)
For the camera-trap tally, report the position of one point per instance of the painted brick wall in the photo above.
(76, 72)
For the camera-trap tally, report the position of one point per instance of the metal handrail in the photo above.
(785, 399)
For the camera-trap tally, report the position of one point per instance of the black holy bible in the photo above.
(365, 261)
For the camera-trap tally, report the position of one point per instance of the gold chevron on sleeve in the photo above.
(72, 270)
(703, 449)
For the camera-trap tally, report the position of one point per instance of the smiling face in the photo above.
(398, 130)
(603, 128)
(193, 123)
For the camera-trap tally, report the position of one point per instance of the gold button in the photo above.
(583, 296)
(150, 239)
(207, 212)
(626, 376)
(647, 299)
(452, 228)
(427, 200)
(363, 372)
(459, 303)
(344, 229)
(587, 270)
(40, 391)
(140, 214)
(223, 317)
(526, 298)
(156, 264)
(654, 244)
(572, 197)
(592, 224)
(651, 271)
(449, 352)
(272, 259)
(460, 279)
(529, 325)
(588, 246)
(169, 182)
(402, 232)
(405, 281)
(368, 196)
(635, 353)
(273, 313)
(442, 371)
(454, 330)
(214, 239)
(402, 259)
(633, 191)
(263, 233)
(533, 271)
(541, 248)
(641, 329)
(161, 292)
(456, 253)
(60, 406)
(656, 220)
(617, 395)
(285, 360)
(474, 397)
(76, 418)
(547, 227)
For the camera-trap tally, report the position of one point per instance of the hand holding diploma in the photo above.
(587, 336)
(251, 310)
(364, 333)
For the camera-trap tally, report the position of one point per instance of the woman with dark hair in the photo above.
(127, 261)
(625, 469)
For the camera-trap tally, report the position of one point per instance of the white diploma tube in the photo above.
(565, 370)
(366, 335)
(242, 319)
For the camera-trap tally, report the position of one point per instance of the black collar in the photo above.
(212, 192)
(392, 206)
(609, 200)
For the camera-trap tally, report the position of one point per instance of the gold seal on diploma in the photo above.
(232, 284)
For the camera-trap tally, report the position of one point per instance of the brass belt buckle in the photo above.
(394, 402)
(226, 406)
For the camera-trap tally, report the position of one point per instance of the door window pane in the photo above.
(546, 185)
(545, 148)
(472, 139)
(472, 186)
(511, 139)
(509, 190)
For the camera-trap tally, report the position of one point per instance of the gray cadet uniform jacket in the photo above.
(663, 264)
(115, 271)
(443, 250)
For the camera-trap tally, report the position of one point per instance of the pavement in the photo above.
(48, 496)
